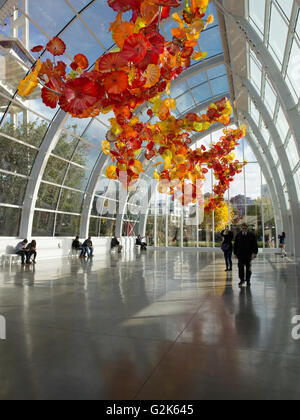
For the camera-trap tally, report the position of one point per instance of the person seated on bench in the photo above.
(139, 242)
(22, 251)
(77, 245)
(88, 248)
(115, 243)
(31, 250)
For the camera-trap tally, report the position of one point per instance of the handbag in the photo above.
(225, 247)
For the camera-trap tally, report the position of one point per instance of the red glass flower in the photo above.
(124, 5)
(56, 46)
(79, 94)
(135, 48)
(38, 48)
(170, 3)
(50, 98)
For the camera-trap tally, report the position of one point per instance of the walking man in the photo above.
(245, 249)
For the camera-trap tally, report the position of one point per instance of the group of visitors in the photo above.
(86, 248)
(245, 249)
(115, 243)
(26, 251)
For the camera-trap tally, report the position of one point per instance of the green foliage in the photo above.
(18, 158)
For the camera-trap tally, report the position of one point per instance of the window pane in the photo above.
(254, 220)
(43, 223)
(278, 38)
(47, 197)
(31, 132)
(190, 226)
(255, 74)
(174, 225)
(12, 189)
(67, 225)
(150, 230)
(206, 231)
(282, 125)
(293, 72)
(161, 230)
(15, 157)
(55, 170)
(292, 152)
(129, 229)
(270, 98)
(108, 227)
(257, 13)
(94, 228)
(77, 178)
(70, 201)
(286, 6)
(9, 221)
(253, 181)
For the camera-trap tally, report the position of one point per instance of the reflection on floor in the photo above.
(160, 325)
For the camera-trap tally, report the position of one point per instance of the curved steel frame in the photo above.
(48, 145)
(285, 164)
(271, 166)
(289, 106)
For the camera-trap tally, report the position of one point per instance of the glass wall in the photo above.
(247, 201)
(284, 46)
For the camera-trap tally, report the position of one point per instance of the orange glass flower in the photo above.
(110, 62)
(81, 61)
(116, 82)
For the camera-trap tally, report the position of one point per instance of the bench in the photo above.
(10, 258)
(74, 252)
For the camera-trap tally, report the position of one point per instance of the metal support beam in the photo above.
(205, 104)
(89, 195)
(199, 67)
(37, 172)
(6, 7)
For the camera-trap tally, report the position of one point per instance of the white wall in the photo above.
(49, 248)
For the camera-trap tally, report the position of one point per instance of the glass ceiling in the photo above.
(77, 23)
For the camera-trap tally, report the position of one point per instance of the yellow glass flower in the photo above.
(111, 172)
(106, 147)
(29, 84)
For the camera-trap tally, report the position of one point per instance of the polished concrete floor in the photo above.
(160, 325)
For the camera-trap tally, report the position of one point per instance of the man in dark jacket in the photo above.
(115, 243)
(77, 246)
(245, 249)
